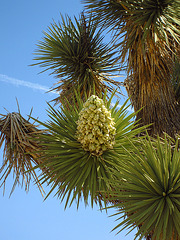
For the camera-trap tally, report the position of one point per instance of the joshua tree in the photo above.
(92, 148)
(147, 35)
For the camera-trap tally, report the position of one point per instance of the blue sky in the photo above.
(27, 216)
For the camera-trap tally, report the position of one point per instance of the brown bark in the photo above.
(149, 86)
(159, 106)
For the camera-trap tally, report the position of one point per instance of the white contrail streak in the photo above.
(17, 82)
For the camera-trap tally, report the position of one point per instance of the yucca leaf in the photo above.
(76, 173)
(73, 50)
(149, 201)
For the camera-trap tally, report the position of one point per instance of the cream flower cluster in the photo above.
(95, 127)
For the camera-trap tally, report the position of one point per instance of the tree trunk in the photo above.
(159, 106)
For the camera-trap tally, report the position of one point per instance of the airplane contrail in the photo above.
(17, 82)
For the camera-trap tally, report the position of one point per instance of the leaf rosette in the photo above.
(75, 52)
(73, 166)
(149, 189)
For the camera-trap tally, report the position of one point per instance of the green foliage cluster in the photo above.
(91, 149)
(149, 190)
(76, 173)
(75, 53)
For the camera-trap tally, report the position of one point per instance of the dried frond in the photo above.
(20, 150)
(176, 79)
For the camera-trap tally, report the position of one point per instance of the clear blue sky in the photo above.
(26, 216)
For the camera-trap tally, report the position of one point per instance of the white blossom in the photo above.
(95, 127)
